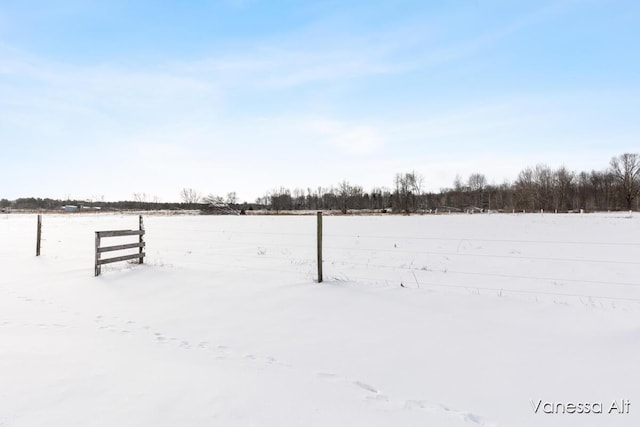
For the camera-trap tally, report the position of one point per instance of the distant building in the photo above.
(70, 208)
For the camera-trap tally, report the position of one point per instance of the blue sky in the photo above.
(105, 99)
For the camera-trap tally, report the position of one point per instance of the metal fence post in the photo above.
(319, 247)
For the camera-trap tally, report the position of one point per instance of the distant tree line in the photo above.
(33, 203)
(407, 196)
(562, 190)
(539, 187)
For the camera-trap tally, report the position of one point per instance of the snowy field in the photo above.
(451, 320)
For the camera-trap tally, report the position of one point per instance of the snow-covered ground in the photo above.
(451, 320)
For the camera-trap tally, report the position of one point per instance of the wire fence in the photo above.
(559, 257)
(553, 267)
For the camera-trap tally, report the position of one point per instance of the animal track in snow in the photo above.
(365, 386)
(328, 376)
(374, 396)
(435, 407)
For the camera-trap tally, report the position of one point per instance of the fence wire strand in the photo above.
(469, 273)
(484, 288)
(246, 250)
(474, 239)
(580, 260)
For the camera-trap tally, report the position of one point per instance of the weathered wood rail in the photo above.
(140, 244)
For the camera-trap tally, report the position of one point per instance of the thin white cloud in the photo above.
(276, 68)
(353, 139)
(427, 54)
(178, 122)
(359, 140)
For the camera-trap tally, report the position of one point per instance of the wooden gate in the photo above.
(140, 244)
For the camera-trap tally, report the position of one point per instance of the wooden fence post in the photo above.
(319, 247)
(97, 267)
(39, 235)
(141, 241)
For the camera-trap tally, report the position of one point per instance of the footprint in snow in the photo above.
(222, 349)
(377, 396)
(431, 407)
(366, 387)
(327, 376)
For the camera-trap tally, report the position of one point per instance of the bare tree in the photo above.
(408, 191)
(299, 199)
(349, 196)
(504, 196)
(563, 180)
(525, 189)
(232, 198)
(477, 183)
(626, 171)
(264, 200)
(344, 189)
(380, 198)
(543, 180)
(141, 199)
(604, 188)
(457, 183)
(281, 199)
(190, 196)
(213, 199)
(583, 191)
